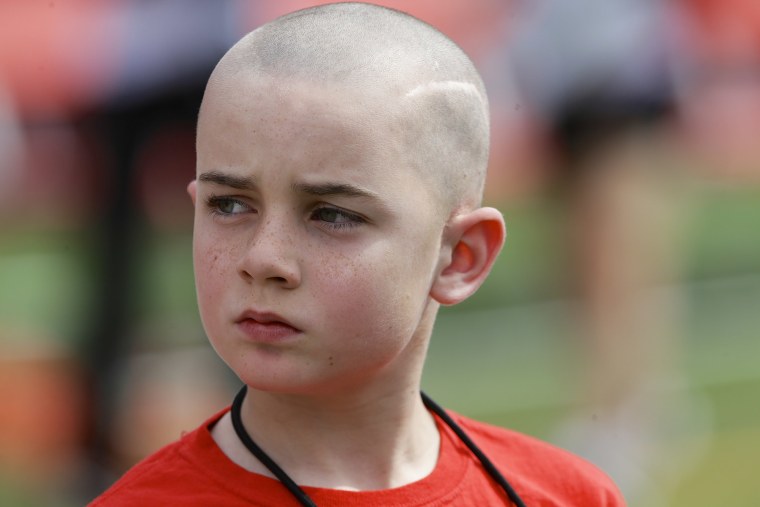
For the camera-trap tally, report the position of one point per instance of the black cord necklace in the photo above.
(296, 491)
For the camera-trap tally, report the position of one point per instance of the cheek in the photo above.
(380, 292)
(212, 271)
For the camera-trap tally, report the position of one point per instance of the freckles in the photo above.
(211, 264)
(211, 258)
(334, 272)
(211, 271)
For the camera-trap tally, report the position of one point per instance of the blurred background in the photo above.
(622, 321)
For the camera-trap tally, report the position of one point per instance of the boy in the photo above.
(341, 154)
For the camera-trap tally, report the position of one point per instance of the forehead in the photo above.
(273, 107)
(249, 122)
(252, 92)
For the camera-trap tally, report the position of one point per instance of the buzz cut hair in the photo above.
(445, 119)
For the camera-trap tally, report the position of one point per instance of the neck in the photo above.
(317, 441)
(375, 434)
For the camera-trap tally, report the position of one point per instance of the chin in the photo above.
(314, 385)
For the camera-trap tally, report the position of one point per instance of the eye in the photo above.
(226, 206)
(336, 218)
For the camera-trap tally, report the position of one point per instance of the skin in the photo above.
(307, 212)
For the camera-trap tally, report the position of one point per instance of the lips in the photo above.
(266, 328)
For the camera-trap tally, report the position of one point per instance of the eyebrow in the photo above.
(328, 189)
(228, 180)
(318, 189)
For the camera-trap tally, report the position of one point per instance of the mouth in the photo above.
(265, 327)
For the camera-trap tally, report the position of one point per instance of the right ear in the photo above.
(192, 190)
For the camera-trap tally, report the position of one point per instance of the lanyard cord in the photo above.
(490, 467)
(257, 451)
(303, 498)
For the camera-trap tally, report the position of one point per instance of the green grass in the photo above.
(727, 475)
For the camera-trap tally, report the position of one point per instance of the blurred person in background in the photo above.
(50, 69)
(11, 146)
(720, 89)
(600, 76)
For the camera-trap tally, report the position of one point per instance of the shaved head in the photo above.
(392, 62)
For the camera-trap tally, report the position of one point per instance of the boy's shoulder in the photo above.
(540, 471)
(171, 475)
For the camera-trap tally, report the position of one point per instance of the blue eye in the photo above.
(226, 206)
(336, 218)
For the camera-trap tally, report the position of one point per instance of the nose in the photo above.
(270, 256)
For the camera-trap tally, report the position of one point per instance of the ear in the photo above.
(192, 190)
(472, 243)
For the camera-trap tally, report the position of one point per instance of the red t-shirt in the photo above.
(195, 472)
